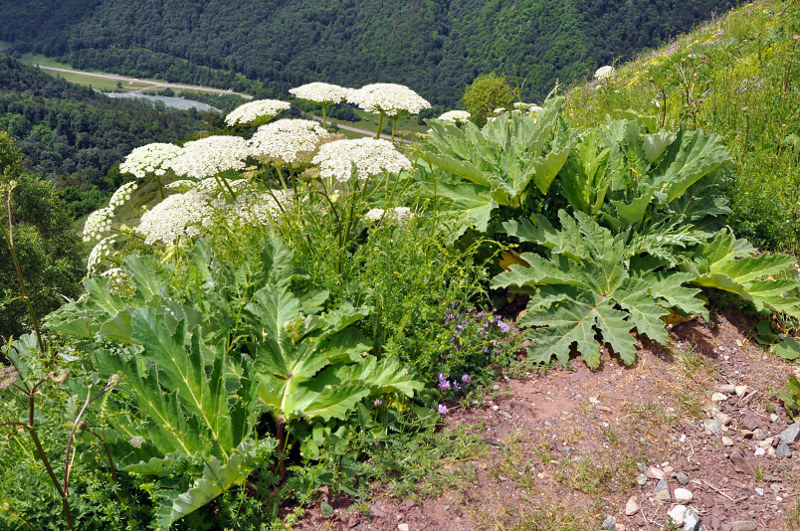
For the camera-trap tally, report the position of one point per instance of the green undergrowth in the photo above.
(739, 77)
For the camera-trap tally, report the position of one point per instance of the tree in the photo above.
(487, 93)
(46, 249)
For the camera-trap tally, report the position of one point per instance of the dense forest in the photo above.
(74, 136)
(265, 47)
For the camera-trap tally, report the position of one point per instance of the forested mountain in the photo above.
(73, 135)
(435, 46)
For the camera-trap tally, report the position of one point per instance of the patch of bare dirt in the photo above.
(574, 449)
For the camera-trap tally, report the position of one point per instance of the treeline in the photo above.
(74, 136)
(265, 47)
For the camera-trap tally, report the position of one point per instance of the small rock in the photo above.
(642, 467)
(495, 387)
(376, 510)
(504, 414)
(742, 525)
(632, 507)
(771, 452)
(691, 520)
(766, 443)
(495, 408)
(718, 397)
(773, 417)
(619, 527)
(759, 434)
(668, 470)
(641, 480)
(722, 418)
(683, 495)
(747, 434)
(759, 452)
(655, 473)
(759, 491)
(751, 514)
(402, 527)
(682, 478)
(740, 390)
(677, 514)
(662, 491)
(713, 427)
(783, 451)
(727, 389)
(790, 434)
(727, 441)
(609, 523)
(775, 488)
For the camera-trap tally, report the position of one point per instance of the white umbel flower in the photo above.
(604, 72)
(97, 224)
(288, 141)
(210, 156)
(244, 114)
(455, 116)
(177, 215)
(123, 194)
(398, 215)
(321, 93)
(388, 98)
(181, 184)
(370, 156)
(150, 158)
(99, 253)
(259, 208)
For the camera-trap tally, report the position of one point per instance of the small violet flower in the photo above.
(466, 378)
(442, 409)
(378, 402)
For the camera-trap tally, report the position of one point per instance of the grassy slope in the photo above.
(738, 76)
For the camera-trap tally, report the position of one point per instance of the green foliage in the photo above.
(587, 281)
(486, 93)
(508, 163)
(790, 396)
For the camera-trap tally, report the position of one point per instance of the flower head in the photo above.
(123, 194)
(442, 409)
(455, 116)
(150, 158)
(288, 141)
(209, 156)
(244, 114)
(604, 72)
(98, 224)
(99, 253)
(370, 156)
(321, 93)
(177, 215)
(397, 214)
(388, 98)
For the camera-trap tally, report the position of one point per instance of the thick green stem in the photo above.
(325, 116)
(225, 188)
(160, 186)
(380, 126)
(394, 128)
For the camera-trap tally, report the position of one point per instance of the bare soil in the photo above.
(567, 448)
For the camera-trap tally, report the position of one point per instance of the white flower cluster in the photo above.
(388, 98)
(100, 252)
(260, 207)
(176, 216)
(123, 194)
(97, 224)
(209, 156)
(119, 280)
(321, 93)
(150, 158)
(181, 184)
(396, 214)
(253, 110)
(455, 116)
(210, 186)
(370, 156)
(604, 72)
(287, 141)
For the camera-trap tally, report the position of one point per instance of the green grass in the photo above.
(738, 77)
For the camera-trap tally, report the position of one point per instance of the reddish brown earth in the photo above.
(562, 449)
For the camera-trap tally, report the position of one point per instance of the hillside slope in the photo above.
(435, 46)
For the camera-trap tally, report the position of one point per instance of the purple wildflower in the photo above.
(442, 409)
(378, 402)
(456, 386)
(485, 349)
(466, 378)
(503, 326)
(444, 383)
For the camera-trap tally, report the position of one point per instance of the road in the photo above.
(162, 84)
(364, 132)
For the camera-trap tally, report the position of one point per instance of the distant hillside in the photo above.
(73, 135)
(435, 46)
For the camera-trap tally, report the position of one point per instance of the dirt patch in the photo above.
(572, 449)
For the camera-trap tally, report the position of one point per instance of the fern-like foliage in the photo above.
(504, 163)
(588, 281)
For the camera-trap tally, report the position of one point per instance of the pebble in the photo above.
(504, 414)
(718, 397)
(790, 434)
(682, 478)
(759, 434)
(766, 443)
(783, 451)
(771, 452)
(742, 525)
(740, 390)
(727, 389)
(495, 408)
(495, 387)
(727, 441)
(402, 527)
(609, 523)
(773, 417)
(713, 427)
(722, 418)
(641, 480)
(759, 491)
(655, 473)
(691, 520)
(759, 452)
(683, 495)
(677, 514)
(662, 491)
(632, 507)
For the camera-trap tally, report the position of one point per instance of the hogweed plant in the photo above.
(388, 100)
(322, 94)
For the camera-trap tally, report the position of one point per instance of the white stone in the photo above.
(677, 513)
(682, 495)
(402, 527)
(718, 397)
(740, 390)
(632, 507)
(759, 452)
